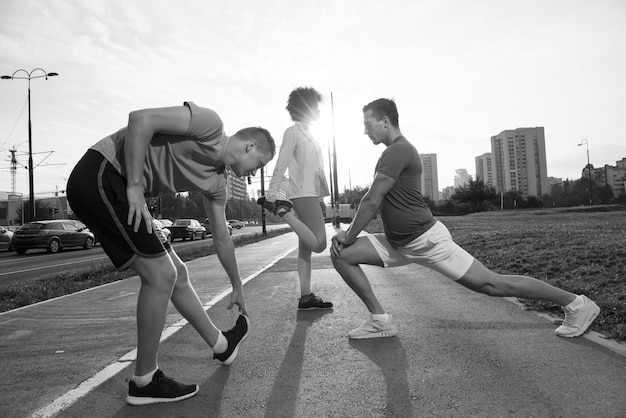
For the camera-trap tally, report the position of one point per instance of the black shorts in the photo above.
(96, 192)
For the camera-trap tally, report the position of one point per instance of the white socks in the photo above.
(576, 303)
(144, 380)
(221, 345)
(381, 317)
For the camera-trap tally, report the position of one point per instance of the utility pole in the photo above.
(332, 195)
(263, 228)
(332, 111)
(585, 142)
(13, 169)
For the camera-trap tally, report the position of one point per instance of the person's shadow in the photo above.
(389, 355)
(212, 390)
(283, 398)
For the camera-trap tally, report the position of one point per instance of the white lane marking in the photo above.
(69, 398)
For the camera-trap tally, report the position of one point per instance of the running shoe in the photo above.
(374, 329)
(161, 389)
(578, 320)
(235, 337)
(278, 207)
(310, 302)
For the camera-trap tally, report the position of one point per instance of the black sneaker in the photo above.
(161, 389)
(311, 301)
(235, 336)
(279, 207)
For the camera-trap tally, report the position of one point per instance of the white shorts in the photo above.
(434, 249)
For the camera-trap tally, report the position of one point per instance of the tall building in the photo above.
(430, 182)
(236, 186)
(461, 178)
(519, 157)
(484, 168)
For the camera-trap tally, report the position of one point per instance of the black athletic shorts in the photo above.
(96, 192)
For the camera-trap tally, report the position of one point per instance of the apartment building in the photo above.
(519, 157)
(462, 177)
(484, 168)
(430, 181)
(447, 193)
(236, 186)
(613, 176)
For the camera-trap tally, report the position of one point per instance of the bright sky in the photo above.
(460, 71)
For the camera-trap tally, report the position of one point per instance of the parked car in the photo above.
(187, 229)
(165, 222)
(235, 223)
(207, 226)
(5, 238)
(52, 235)
(161, 225)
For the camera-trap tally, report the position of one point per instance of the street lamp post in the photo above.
(31, 187)
(263, 227)
(586, 143)
(334, 179)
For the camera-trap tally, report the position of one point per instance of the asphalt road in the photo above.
(458, 353)
(37, 263)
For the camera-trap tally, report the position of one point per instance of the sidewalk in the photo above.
(458, 353)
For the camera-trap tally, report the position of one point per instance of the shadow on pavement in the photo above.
(212, 390)
(283, 398)
(389, 355)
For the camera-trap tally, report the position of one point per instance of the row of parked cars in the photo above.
(54, 235)
(191, 229)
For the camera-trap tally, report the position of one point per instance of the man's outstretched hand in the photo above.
(236, 298)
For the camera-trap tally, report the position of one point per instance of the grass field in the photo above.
(578, 250)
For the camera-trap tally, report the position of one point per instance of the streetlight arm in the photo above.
(29, 75)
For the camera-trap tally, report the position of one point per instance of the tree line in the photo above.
(189, 205)
(476, 196)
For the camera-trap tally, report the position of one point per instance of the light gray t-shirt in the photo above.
(178, 163)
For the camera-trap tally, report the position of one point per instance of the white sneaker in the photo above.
(578, 320)
(374, 329)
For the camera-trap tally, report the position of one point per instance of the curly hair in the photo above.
(301, 102)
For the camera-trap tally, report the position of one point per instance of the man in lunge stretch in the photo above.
(413, 235)
(163, 151)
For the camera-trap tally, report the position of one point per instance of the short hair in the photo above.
(301, 102)
(384, 107)
(261, 136)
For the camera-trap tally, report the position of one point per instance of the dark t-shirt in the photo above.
(404, 212)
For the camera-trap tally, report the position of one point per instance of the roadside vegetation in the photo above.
(582, 250)
(28, 292)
